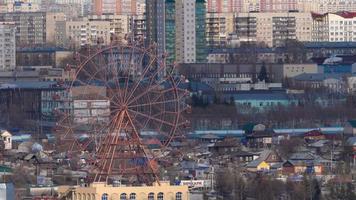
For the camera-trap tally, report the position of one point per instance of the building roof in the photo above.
(302, 156)
(344, 14)
(352, 123)
(254, 163)
(261, 95)
(29, 85)
(316, 77)
(351, 141)
(5, 169)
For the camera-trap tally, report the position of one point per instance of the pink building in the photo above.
(114, 6)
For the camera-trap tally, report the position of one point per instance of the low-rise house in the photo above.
(350, 128)
(258, 165)
(303, 162)
(261, 137)
(351, 143)
(333, 82)
(6, 137)
(194, 170)
(314, 135)
(228, 145)
(260, 100)
(267, 160)
(243, 156)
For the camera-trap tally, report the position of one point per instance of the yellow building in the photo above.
(263, 166)
(102, 191)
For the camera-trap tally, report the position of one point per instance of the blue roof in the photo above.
(316, 77)
(195, 86)
(296, 131)
(319, 45)
(29, 85)
(261, 95)
(39, 49)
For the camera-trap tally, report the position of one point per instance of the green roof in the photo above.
(5, 169)
(248, 128)
(352, 123)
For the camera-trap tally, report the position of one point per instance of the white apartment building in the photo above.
(119, 24)
(7, 46)
(342, 28)
(185, 31)
(337, 5)
(334, 27)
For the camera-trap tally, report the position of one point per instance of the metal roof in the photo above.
(317, 77)
(30, 85)
(261, 95)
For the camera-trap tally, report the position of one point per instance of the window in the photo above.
(133, 196)
(105, 197)
(151, 196)
(178, 196)
(123, 196)
(160, 196)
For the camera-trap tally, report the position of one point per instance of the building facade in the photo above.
(334, 27)
(155, 25)
(186, 31)
(86, 32)
(114, 7)
(101, 191)
(30, 27)
(7, 46)
(218, 28)
(273, 29)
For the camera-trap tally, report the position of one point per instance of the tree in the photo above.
(262, 76)
(231, 185)
(287, 147)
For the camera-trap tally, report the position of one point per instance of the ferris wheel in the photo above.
(122, 97)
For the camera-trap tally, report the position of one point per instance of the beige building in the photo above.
(19, 7)
(92, 30)
(273, 28)
(218, 28)
(51, 24)
(86, 32)
(119, 24)
(101, 191)
(291, 70)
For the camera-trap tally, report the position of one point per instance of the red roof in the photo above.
(344, 14)
(313, 133)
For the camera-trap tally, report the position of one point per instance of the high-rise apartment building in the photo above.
(224, 6)
(30, 27)
(7, 46)
(185, 31)
(334, 27)
(155, 25)
(277, 5)
(273, 29)
(200, 34)
(114, 6)
(86, 32)
(218, 27)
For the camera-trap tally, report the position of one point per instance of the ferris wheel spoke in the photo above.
(149, 89)
(147, 68)
(152, 103)
(152, 118)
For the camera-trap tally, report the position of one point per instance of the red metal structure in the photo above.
(145, 102)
